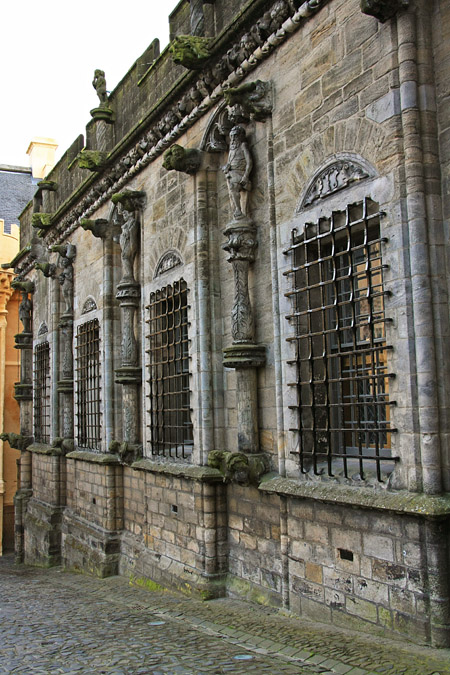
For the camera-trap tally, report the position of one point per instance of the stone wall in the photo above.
(339, 109)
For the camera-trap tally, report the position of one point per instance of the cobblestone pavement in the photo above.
(53, 621)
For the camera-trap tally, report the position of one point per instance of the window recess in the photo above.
(341, 355)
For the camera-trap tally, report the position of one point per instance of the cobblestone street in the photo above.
(52, 621)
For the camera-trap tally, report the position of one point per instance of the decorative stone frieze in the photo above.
(181, 159)
(383, 10)
(253, 98)
(190, 51)
(253, 48)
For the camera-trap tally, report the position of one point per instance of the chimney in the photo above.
(42, 156)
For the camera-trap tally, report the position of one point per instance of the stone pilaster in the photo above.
(244, 355)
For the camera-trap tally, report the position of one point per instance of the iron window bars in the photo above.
(170, 415)
(342, 384)
(41, 393)
(88, 385)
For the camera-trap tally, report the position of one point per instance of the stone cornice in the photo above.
(158, 138)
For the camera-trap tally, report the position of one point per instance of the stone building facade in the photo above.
(235, 308)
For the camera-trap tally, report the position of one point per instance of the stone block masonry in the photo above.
(235, 296)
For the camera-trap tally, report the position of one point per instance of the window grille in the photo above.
(41, 393)
(88, 385)
(170, 415)
(343, 408)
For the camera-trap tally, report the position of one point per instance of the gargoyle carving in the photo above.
(94, 160)
(41, 220)
(383, 10)
(17, 441)
(190, 51)
(180, 159)
(239, 468)
(254, 98)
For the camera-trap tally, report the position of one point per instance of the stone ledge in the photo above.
(43, 449)
(200, 473)
(93, 457)
(408, 503)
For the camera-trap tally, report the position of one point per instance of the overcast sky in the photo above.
(50, 50)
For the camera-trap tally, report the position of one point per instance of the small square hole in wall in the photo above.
(345, 555)
(174, 509)
(94, 501)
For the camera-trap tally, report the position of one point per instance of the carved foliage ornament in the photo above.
(333, 178)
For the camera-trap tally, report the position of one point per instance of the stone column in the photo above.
(5, 294)
(129, 204)
(244, 355)
(23, 393)
(65, 384)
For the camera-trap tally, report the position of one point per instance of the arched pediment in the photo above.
(168, 261)
(89, 305)
(337, 174)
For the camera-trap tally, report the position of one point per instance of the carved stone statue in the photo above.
(128, 241)
(237, 171)
(25, 311)
(66, 281)
(182, 159)
(99, 84)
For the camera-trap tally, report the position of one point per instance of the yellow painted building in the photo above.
(9, 374)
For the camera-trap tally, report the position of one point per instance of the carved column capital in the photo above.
(242, 241)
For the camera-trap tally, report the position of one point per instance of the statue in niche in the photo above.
(67, 254)
(66, 281)
(128, 240)
(25, 309)
(99, 84)
(237, 172)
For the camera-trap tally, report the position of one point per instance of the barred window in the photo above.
(41, 393)
(342, 383)
(88, 385)
(170, 415)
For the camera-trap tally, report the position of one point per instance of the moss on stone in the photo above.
(41, 220)
(401, 501)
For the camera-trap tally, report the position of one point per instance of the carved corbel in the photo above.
(127, 452)
(93, 160)
(100, 227)
(253, 98)
(65, 445)
(131, 200)
(17, 441)
(41, 221)
(190, 51)
(49, 185)
(383, 10)
(236, 467)
(181, 159)
(47, 269)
